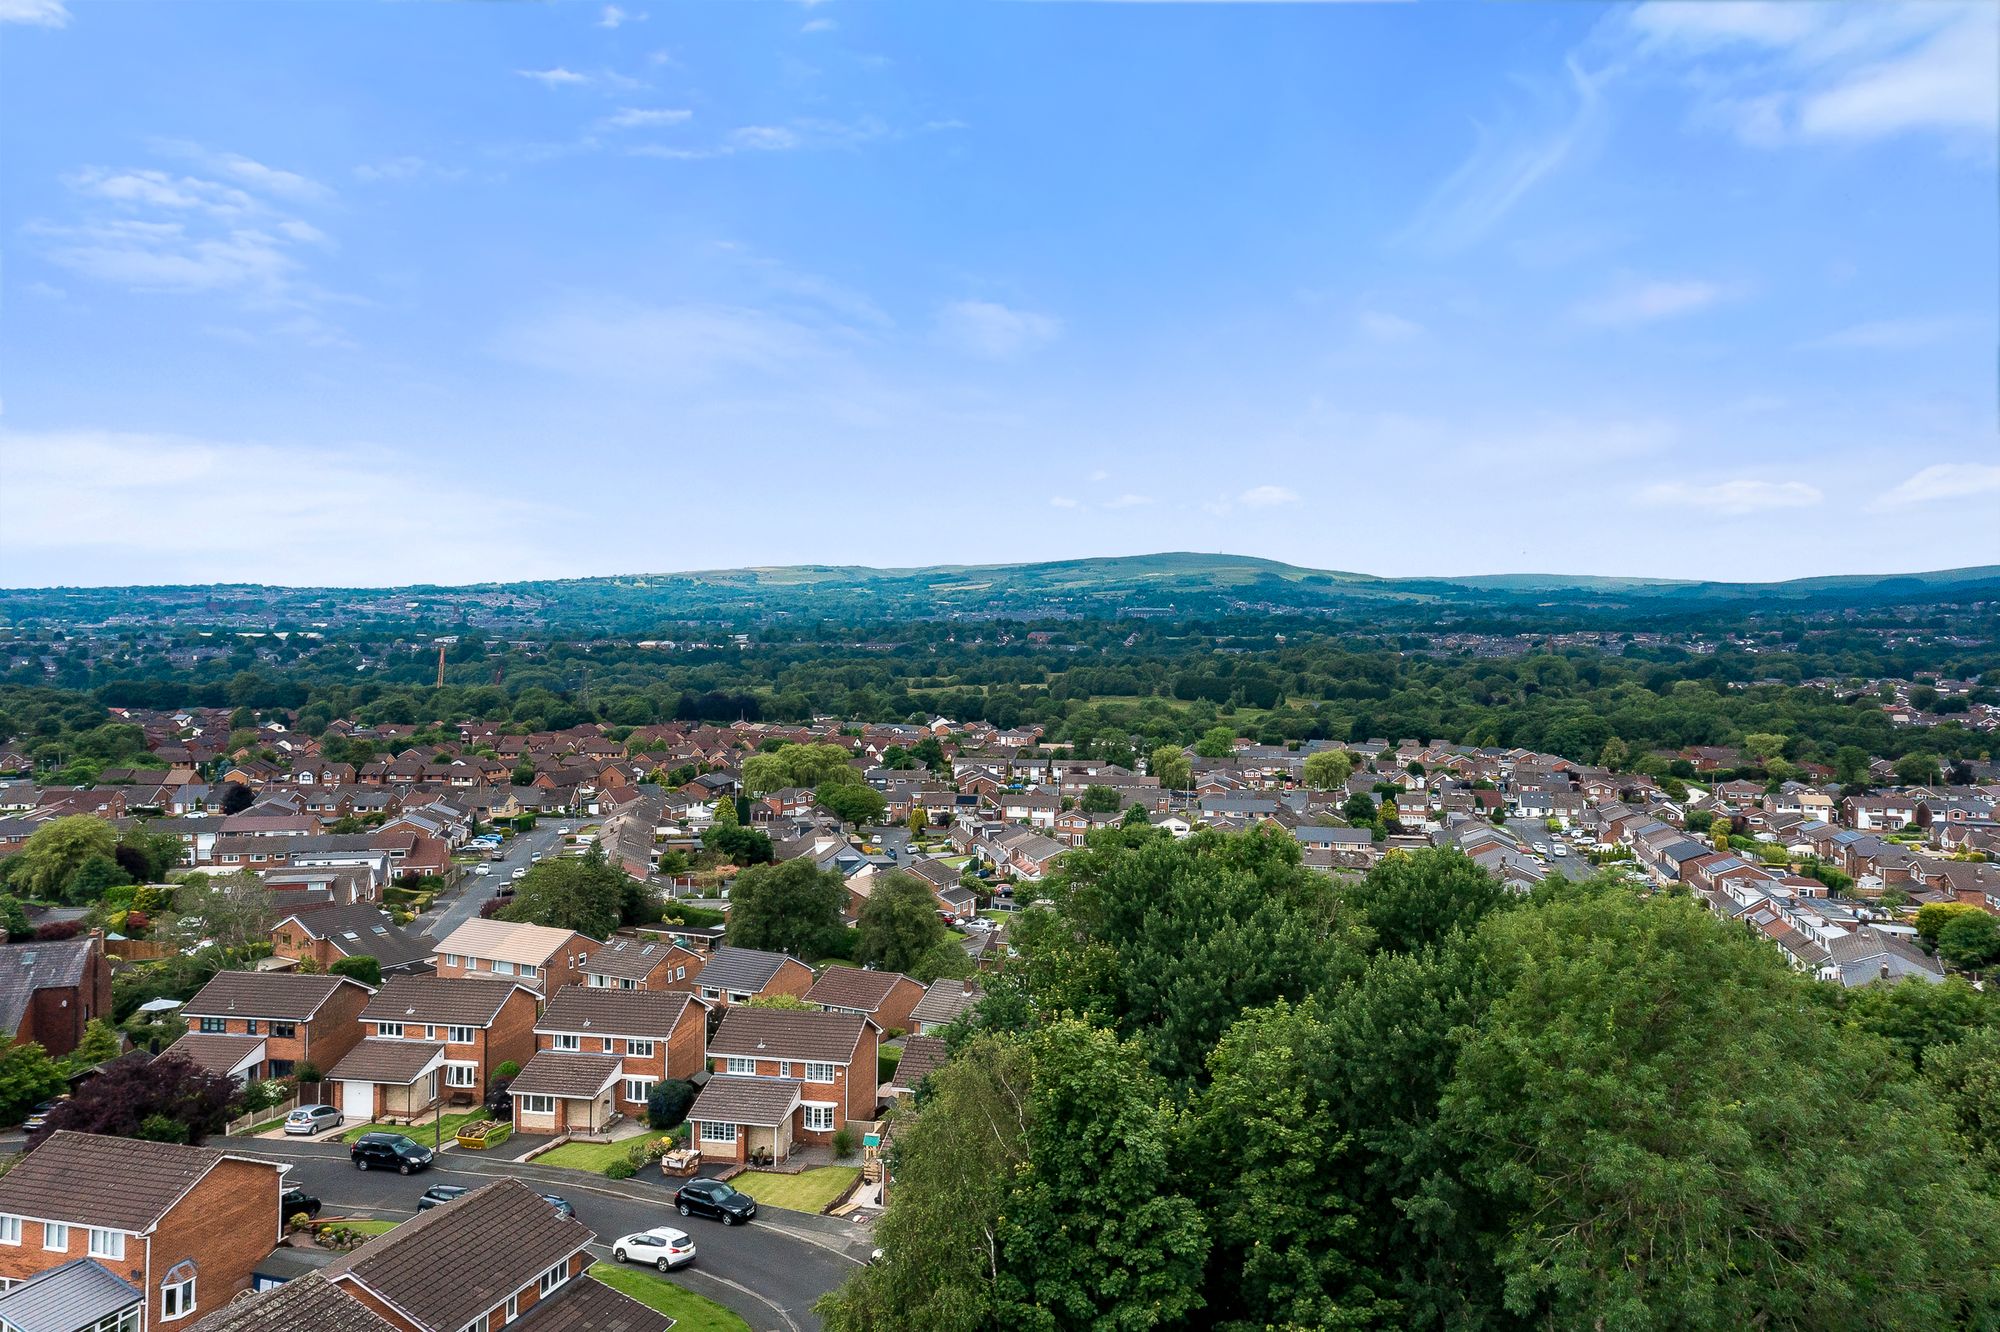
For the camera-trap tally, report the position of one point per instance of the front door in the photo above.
(357, 1101)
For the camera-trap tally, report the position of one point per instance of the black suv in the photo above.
(389, 1151)
(296, 1201)
(711, 1197)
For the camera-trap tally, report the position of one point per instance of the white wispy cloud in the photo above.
(558, 77)
(1643, 301)
(1382, 326)
(818, 25)
(1892, 334)
(76, 494)
(40, 13)
(670, 346)
(611, 16)
(1781, 73)
(1508, 162)
(646, 117)
(1063, 502)
(995, 331)
(1128, 501)
(1942, 481)
(1267, 497)
(1732, 498)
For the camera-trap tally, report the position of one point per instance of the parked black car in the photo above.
(437, 1195)
(711, 1197)
(389, 1151)
(296, 1201)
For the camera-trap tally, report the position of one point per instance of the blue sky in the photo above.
(355, 292)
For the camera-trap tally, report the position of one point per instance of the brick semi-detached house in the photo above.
(599, 1052)
(50, 989)
(641, 964)
(884, 997)
(542, 958)
(326, 932)
(425, 1037)
(779, 1077)
(738, 975)
(497, 1257)
(143, 1234)
(263, 1024)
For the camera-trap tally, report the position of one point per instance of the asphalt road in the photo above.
(769, 1271)
(477, 889)
(1575, 865)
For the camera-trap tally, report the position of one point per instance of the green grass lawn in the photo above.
(886, 1063)
(690, 1312)
(371, 1227)
(592, 1156)
(421, 1132)
(808, 1192)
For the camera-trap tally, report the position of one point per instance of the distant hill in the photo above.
(1176, 584)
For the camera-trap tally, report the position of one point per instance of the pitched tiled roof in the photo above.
(507, 941)
(311, 1302)
(761, 1101)
(586, 1009)
(853, 987)
(782, 1033)
(28, 967)
(358, 930)
(590, 1306)
(921, 1055)
(566, 1074)
(945, 1000)
(90, 1180)
(452, 1002)
(393, 1062)
(451, 1264)
(628, 959)
(285, 996)
(740, 969)
(218, 1053)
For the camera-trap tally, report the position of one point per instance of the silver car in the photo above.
(309, 1119)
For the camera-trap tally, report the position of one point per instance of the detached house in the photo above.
(50, 989)
(543, 959)
(496, 1257)
(325, 932)
(884, 997)
(942, 1004)
(264, 1024)
(640, 964)
(426, 1037)
(125, 1235)
(738, 975)
(599, 1053)
(779, 1077)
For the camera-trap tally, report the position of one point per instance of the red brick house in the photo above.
(640, 964)
(737, 975)
(780, 1077)
(599, 1053)
(884, 997)
(106, 1226)
(263, 1024)
(543, 959)
(50, 989)
(424, 1037)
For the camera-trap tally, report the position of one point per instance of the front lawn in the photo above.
(690, 1312)
(592, 1156)
(422, 1132)
(811, 1191)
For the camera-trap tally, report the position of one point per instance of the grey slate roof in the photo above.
(65, 1298)
(764, 1102)
(566, 1074)
(944, 1001)
(284, 996)
(28, 967)
(921, 1055)
(591, 1306)
(627, 959)
(740, 969)
(451, 1264)
(363, 931)
(311, 1302)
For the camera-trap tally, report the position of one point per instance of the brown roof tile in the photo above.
(217, 1054)
(310, 1302)
(591, 1306)
(285, 996)
(780, 1033)
(760, 1101)
(90, 1180)
(853, 987)
(436, 1000)
(590, 1009)
(566, 1074)
(922, 1055)
(393, 1062)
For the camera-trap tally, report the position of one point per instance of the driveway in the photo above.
(476, 890)
(769, 1271)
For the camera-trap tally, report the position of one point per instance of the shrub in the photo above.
(508, 1069)
(620, 1170)
(843, 1142)
(669, 1102)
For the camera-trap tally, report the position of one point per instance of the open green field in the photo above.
(690, 1312)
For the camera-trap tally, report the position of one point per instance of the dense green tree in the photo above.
(1099, 800)
(228, 910)
(725, 813)
(1917, 768)
(1171, 766)
(789, 908)
(27, 1078)
(55, 852)
(739, 845)
(1414, 899)
(898, 923)
(581, 893)
(1970, 941)
(1918, 1017)
(811, 766)
(1932, 917)
(1217, 742)
(1359, 809)
(93, 879)
(101, 1041)
(1327, 770)
(360, 967)
(858, 805)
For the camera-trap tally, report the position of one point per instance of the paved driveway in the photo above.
(769, 1271)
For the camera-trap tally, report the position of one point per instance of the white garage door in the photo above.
(357, 1101)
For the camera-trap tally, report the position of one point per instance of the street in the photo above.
(769, 1271)
(463, 904)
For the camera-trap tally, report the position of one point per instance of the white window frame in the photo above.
(742, 1066)
(822, 1073)
(532, 1104)
(566, 1042)
(638, 1089)
(177, 1299)
(461, 1073)
(711, 1131)
(554, 1279)
(388, 1029)
(454, 960)
(530, 971)
(503, 968)
(640, 1049)
(819, 1110)
(461, 1035)
(106, 1243)
(52, 1231)
(10, 1230)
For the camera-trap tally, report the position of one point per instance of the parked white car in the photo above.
(520, 873)
(662, 1247)
(482, 869)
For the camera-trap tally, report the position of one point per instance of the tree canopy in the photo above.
(790, 908)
